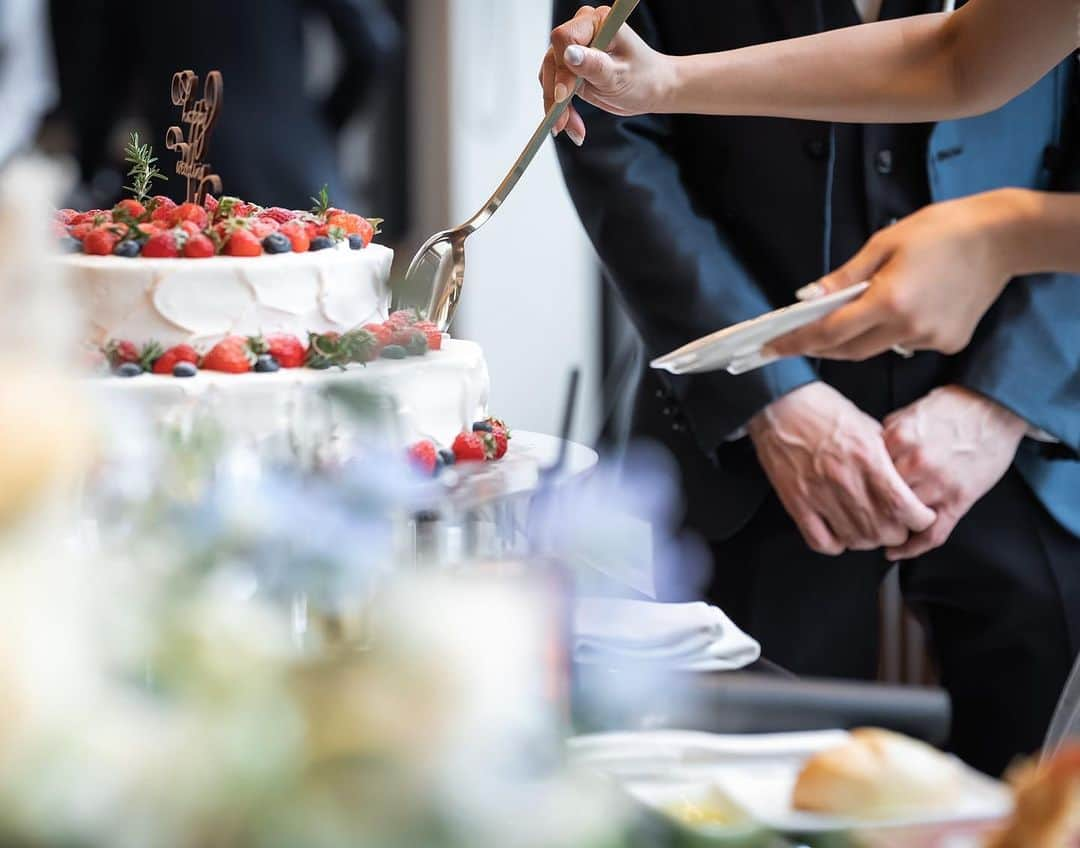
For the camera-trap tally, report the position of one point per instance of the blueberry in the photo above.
(70, 244)
(266, 364)
(129, 369)
(482, 427)
(356, 242)
(185, 369)
(129, 249)
(440, 464)
(277, 243)
(394, 352)
(322, 243)
(447, 456)
(417, 345)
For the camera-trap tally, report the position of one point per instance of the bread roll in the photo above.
(877, 773)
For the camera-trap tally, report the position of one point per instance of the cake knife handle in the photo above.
(620, 11)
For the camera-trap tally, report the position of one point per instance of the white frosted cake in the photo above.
(251, 312)
(200, 302)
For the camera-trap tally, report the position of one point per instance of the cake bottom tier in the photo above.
(435, 396)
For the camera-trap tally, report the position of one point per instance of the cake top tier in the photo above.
(157, 228)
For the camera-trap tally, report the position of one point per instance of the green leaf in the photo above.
(322, 203)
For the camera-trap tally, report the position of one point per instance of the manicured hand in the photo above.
(626, 80)
(934, 275)
(828, 464)
(951, 447)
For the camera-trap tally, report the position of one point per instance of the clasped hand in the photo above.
(851, 483)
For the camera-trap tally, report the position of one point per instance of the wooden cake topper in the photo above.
(200, 117)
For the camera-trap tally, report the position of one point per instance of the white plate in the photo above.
(737, 349)
(764, 791)
(757, 773)
(677, 754)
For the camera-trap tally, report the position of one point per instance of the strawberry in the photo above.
(174, 355)
(288, 350)
(199, 247)
(276, 213)
(382, 334)
(469, 447)
(210, 204)
(262, 227)
(100, 242)
(351, 224)
(231, 355)
(65, 216)
(402, 318)
(434, 339)
(162, 208)
(94, 216)
(297, 234)
(119, 352)
(243, 243)
(190, 212)
(188, 228)
(424, 456)
(161, 246)
(148, 229)
(81, 231)
(498, 440)
(131, 207)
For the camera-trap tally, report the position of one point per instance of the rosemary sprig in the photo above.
(143, 168)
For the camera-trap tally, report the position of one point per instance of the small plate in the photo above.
(737, 349)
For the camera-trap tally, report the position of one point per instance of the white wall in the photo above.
(531, 292)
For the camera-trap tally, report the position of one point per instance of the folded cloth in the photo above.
(683, 637)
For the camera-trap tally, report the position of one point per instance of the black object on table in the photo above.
(762, 699)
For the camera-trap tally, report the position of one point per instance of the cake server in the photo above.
(439, 266)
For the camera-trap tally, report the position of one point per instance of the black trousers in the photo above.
(999, 600)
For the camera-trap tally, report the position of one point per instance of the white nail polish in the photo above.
(575, 137)
(561, 93)
(811, 292)
(574, 55)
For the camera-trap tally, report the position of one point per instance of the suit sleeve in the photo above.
(677, 272)
(1026, 352)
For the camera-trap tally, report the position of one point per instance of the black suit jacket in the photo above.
(702, 222)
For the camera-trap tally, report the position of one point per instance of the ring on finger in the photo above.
(905, 352)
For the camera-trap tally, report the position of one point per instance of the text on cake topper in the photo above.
(200, 117)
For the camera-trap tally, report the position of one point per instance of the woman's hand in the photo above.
(630, 79)
(934, 275)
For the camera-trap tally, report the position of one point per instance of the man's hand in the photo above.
(828, 464)
(951, 447)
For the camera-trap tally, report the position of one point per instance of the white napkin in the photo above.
(683, 637)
